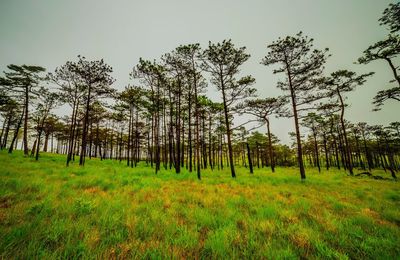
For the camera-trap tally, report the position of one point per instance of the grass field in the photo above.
(106, 210)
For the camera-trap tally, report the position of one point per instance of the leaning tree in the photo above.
(387, 50)
(340, 82)
(22, 82)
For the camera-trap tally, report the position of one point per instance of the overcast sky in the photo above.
(48, 33)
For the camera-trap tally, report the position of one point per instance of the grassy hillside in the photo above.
(107, 210)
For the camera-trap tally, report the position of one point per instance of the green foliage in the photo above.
(390, 17)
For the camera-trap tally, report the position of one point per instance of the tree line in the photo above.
(165, 118)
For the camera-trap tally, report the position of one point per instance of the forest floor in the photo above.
(107, 210)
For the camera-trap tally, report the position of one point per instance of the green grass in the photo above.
(107, 210)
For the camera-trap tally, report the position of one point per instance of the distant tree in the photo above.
(263, 109)
(365, 130)
(185, 86)
(383, 137)
(153, 75)
(222, 61)
(328, 124)
(47, 101)
(23, 82)
(340, 82)
(96, 80)
(8, 111)
(132, 96)
(16, 131)
(50, 127)
(303, 67)
(354, 129)
(119, 116)
(176, 66)
(395, 126)
(72, 92)
(191, 54)
(312, 121)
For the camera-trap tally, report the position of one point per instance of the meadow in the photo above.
(108, 210)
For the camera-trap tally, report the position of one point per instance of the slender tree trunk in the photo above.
(394, 70)
(137, 142)
(183, 144)
(4, 143)
(52, 143)
(347, 147)
(34, 147)
(296, 123)
(316, 150)
(258, 155)
(298, 139)
(40, 131)
(16, 132)
(38, 145)
(197, 125)
(228, 129)
(204, 144)
(72, 133)
(46, 141)
(367, 154)
(391, 160)
(190, 131)
(249, 158)
(25, 140)
(85, 130)
(165, 153)
(326, 152)
(2, 131)
(178, 131)
(270, 148)
(359, 152)
(210, 159)
(129, 135)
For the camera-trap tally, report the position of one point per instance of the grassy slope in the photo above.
(108, 210)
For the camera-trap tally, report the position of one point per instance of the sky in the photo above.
(50, 32)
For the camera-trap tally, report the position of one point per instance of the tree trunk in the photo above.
(25, 139)
(249, 158)
(7, 130)
(197, 126)
(326, 152)
(296, 123)
(394, 70)
(228, 133)
(85, 130)
(316, 150)
(270, 147)
(16, 132)
(347, 147)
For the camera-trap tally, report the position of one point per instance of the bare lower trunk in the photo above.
(25, 140)
(271, 152)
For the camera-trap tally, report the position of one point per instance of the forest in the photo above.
(164, 135)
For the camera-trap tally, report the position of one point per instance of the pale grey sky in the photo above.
(50, 32)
